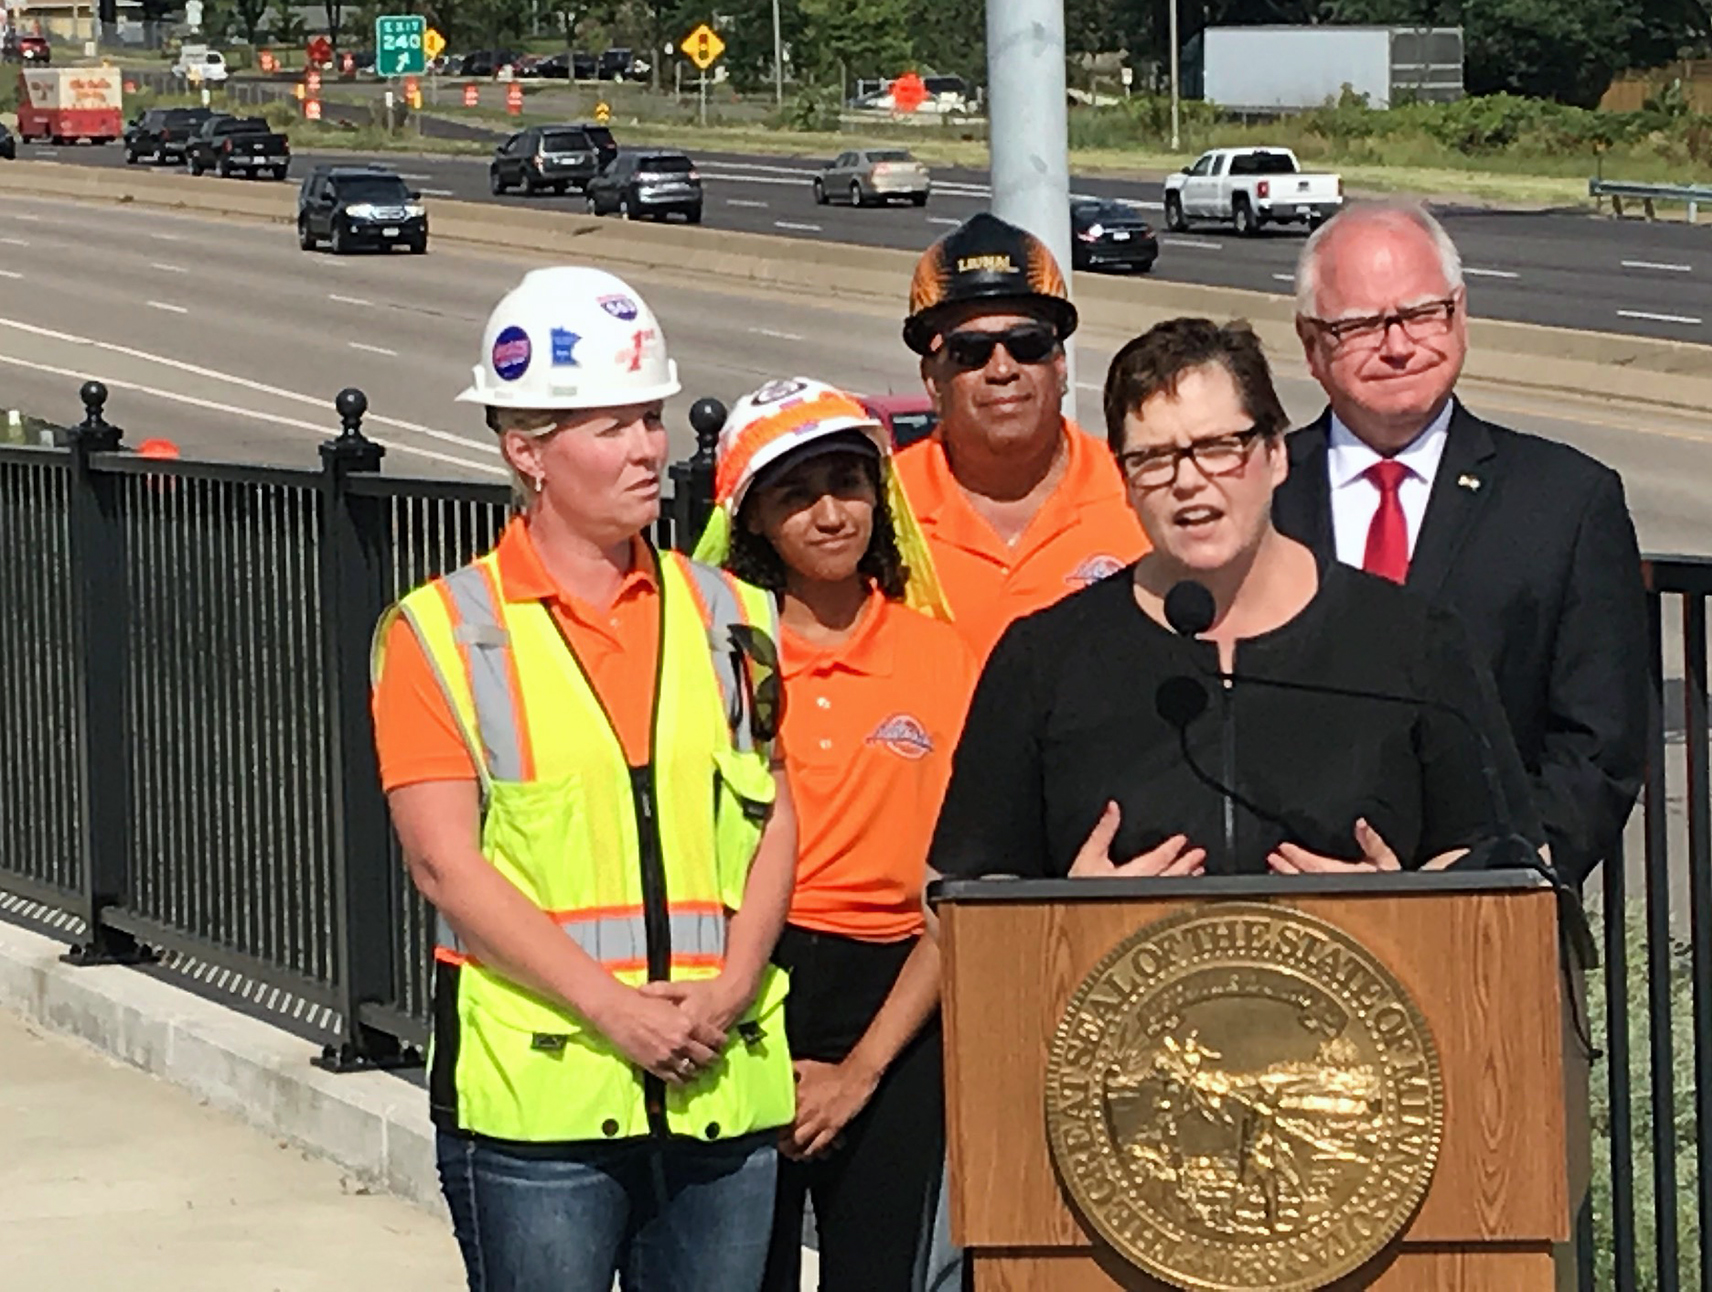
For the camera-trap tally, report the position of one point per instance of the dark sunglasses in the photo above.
(1026, 343)
(760, 673)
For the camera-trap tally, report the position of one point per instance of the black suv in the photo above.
(551, 159)
(8, 145)
(354, 207)
(160, 134)
(652, 184)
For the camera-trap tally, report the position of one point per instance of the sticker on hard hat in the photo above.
(511, 353)
(565, 348)
(630, 358)
(620, 307)
(774, 391)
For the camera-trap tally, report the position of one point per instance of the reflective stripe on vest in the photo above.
(619, 941)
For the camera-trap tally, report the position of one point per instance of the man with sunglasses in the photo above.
(1019, 508)
(1530, 541)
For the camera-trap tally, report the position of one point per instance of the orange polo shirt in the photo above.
(1084, 531)
(417, 737)
(868, 732)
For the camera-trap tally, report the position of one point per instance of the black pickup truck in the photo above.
(160, 134)
(238, 146)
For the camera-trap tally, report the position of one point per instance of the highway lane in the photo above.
(226, 338)
(1562, 268)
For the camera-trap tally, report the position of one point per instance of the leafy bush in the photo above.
(814, 109)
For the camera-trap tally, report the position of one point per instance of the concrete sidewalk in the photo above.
(112, 1177)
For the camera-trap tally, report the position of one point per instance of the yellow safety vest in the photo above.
(639, 866)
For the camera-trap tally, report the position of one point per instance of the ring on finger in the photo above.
(686, 1067)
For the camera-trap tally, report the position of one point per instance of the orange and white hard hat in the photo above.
(788, 418)
(778, 420)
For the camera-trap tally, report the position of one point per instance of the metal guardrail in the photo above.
(1647, 194)
(184, 699)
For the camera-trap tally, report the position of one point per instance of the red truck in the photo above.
(63, 104)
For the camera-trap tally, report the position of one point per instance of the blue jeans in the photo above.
(662, 1215)
(942, 1267)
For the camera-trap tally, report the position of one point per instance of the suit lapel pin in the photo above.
(1470, 483)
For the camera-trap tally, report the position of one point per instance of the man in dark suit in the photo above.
(1530, 541)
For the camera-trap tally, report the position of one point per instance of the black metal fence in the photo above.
(184, 649)
(190, 772)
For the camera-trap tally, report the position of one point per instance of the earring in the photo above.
(540, 482)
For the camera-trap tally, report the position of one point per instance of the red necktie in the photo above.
(1388, 537)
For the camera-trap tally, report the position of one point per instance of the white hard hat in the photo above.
(572, 337)
(781, 418)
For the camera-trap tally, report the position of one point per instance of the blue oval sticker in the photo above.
(511, 353)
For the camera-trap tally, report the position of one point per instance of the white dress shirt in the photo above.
(1355, 498)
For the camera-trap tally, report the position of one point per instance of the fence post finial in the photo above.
(352, 450)
(94, 432)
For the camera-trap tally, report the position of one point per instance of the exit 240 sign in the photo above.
(398, 45)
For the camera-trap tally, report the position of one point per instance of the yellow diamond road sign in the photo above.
(433, 44)
(703, 46)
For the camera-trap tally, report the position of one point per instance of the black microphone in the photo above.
(1190, 611)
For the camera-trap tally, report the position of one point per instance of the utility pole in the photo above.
(778, 60)
(1176, 91)
(1028, 130)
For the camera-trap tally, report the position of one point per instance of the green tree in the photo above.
(950, 36)
(861, 37)
(249, 15)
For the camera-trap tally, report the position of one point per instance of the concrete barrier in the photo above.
(1670, 374)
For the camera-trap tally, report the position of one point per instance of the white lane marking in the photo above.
(320, 431)
(166, 237)
(347, 300)
(259, 387)
(407, 175)
(743, 201)
(800, 228)
(1472, 272)
(1627, 264)
(1090, 385)
(777, 336)
(28, 219)
(1658, 318)
(169, 269)
(47, 152)
(373, 349)
(438, 192)
(168, 306)
(10, 273)
(1285, 278)
(942, 219)
(1196, 243)
(14, 242)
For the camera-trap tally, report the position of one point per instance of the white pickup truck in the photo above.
(1250, 187)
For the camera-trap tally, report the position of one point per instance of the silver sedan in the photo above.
(865, 175)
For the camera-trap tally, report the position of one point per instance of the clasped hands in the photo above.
(1177, 857)
(672, 1029)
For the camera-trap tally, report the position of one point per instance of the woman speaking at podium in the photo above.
(1227, 704)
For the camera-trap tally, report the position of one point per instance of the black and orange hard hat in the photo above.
(986, 259)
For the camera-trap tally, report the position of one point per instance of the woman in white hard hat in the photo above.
(574, 735)
(876, 690)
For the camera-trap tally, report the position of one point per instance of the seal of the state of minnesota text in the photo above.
(1242, 1096)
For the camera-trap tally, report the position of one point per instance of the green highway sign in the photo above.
(398, 45)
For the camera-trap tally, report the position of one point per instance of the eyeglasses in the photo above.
(1221, 455)
(1419, 323)
(1026, 343)
(766, 693)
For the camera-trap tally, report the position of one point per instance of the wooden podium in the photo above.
(1480, 955)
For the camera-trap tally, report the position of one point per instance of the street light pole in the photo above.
(1028, 131)
(778, 60)
(1176, 93)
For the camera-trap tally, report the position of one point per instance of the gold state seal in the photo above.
(1241, 1096)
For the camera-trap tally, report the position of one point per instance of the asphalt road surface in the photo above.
(227, 339)
(1563, 268)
